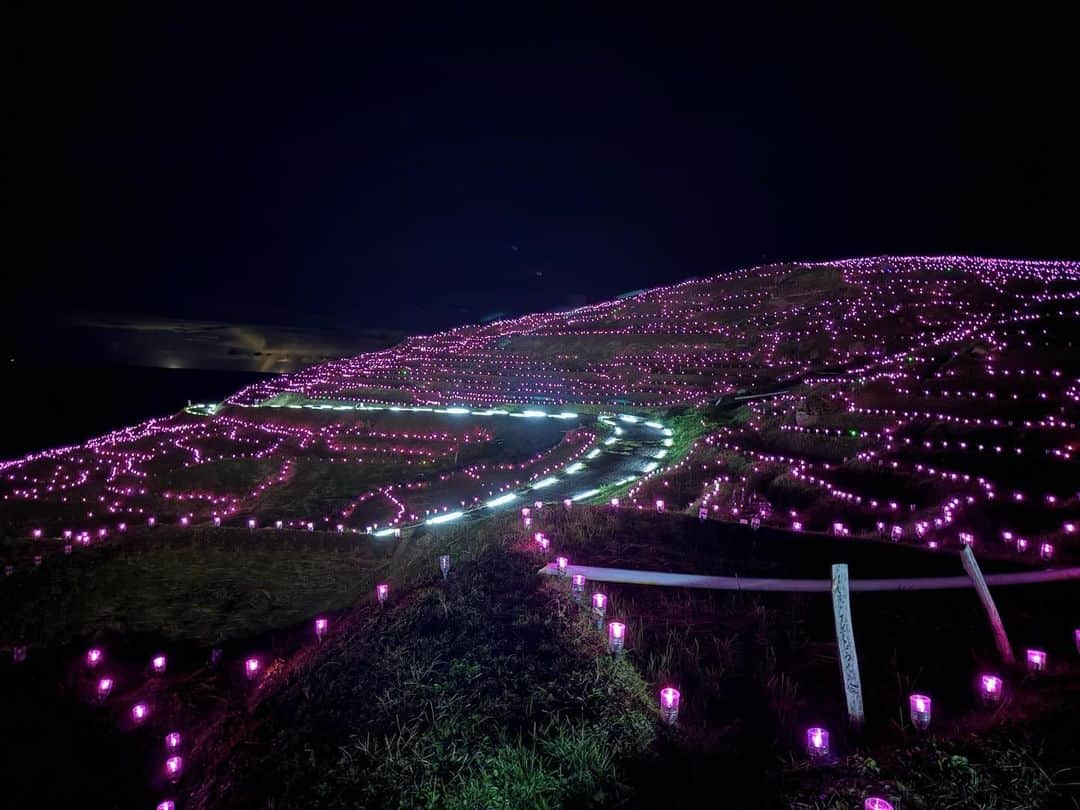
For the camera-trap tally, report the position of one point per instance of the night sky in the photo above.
(410, 170)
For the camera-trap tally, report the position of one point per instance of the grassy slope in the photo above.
(205, 586)
(491, 690)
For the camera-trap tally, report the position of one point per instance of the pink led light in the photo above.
(659, 504)
(796, 526)
(561, 564)
(669, 705)
(382, 592)
(614, 503)
(920, 706)
(616, 635)
(174, 767)
(104, 687)
(567, 503)
(139, 712)
(444, 564)
(1076, 638)
(251, 523)
(252, 666)
(37, 534)
(875, 803)
(990, 688)
(577, 584)
(172, 740)
(1046, 551)
(321, 626)
(817, 742)
(600, 600)
(94, 656)
(167, 804)
(1036, 660)
(159, 662)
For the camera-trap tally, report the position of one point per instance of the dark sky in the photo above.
(411, 169)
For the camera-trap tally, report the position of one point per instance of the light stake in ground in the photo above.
(252, 666)
(172, 740)
(920, 706)
(382, 592)
(158, 663)
(104, 687)
(94, 656)
(599, 608)
(875, 803)
(817, 743)
(577, 585)
(616, 637)
(139, 712)
(1036, 660)
(321, 625)
(990, 688)
(174, 767)
(444, 564)
(669, 705)
(561, 563)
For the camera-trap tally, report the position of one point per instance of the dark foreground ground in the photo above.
(495, 689)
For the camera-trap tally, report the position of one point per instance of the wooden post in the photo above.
(845, 641)
(967, 557)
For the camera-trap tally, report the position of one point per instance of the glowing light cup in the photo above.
(561, 563)
(94, 656)
(669, 705)
(817, 743)
(382, 592)
(174, 767)
(599, 609)
(104, 687)
(1036, 660)
(321, 625)
(616, 637)
(444, 565)
(920, 711)
(875, 803)
(172, 740)
(659, 505)
(158, 663)
(252, 667)
(18, 654)
(991, 688)
(139, 712)
(614, 503)
(1076, 638)
(577, 585)
(168, 804)
(1046, 551)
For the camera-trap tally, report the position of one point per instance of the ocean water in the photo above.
(44, 406)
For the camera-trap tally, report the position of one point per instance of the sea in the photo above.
(43, 406)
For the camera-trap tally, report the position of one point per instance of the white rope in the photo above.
(632, 577)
